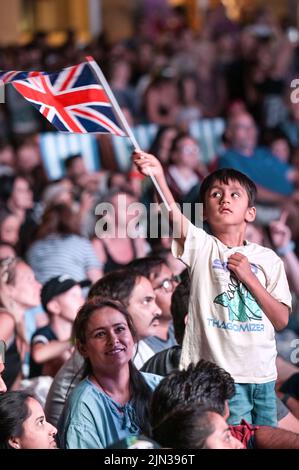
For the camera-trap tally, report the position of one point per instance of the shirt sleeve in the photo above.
(42, 336)
(152, 380)
(196, 240)
(81, 436)
(278, 285)
(244, 432)
(84, 428)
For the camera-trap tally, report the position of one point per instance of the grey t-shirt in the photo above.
(158, 344)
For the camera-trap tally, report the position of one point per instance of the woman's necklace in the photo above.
(116, 400)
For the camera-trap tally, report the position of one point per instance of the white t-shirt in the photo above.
(225, 324)
(144, 353)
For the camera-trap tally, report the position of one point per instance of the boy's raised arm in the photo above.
(145, 161)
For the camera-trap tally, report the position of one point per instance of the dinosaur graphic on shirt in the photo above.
(241, 305)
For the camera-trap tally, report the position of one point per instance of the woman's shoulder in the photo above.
(152, 379)
(85, 393)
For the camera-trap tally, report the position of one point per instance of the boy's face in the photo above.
(227, 204)
(68, 303)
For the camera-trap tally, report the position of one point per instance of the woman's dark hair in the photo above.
(224, 176)
(182, 135)
(141, 393)
(185, 427)
(156, 143)
(7, 183)
(6, 187)
(58, 219)
(14, 411)
(69, 160)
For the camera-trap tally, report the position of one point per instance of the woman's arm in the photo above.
(281, 239)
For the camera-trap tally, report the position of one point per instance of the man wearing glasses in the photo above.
(163, 283)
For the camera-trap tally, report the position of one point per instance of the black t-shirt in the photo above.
(164, 362)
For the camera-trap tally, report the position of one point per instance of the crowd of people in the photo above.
(105, 336)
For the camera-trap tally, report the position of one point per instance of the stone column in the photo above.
(95, 17)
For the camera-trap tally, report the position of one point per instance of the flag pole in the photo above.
(99, 74)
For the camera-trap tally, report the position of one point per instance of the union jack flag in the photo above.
(7, 77)
(72, 99)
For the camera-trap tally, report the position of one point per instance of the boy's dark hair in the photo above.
(179, 309)
(185, 427)
(204, 384)
(117, 285)
(225, 175)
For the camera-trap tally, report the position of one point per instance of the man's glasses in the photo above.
(167, 284)
(188, 149)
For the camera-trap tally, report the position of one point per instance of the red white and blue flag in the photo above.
(73, 100)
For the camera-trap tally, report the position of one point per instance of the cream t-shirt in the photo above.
(225, 323)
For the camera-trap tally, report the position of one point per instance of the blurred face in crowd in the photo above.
(186, 153)
(165, 144)
(9, 230)
(77, 170)
(7, 156)
(143, 308)
(164, 285)
(254, 234)
(21, 197)
(242, 133)
(7, 251)
(280, 148)
(121, 203)
(67, 304)
(26, 289)
(37, 433)
(28, 157)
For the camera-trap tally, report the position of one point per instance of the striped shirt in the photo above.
(56, 255)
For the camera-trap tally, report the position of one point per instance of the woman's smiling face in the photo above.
(109, 340)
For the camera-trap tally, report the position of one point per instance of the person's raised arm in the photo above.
(282, 241)
(273, 438)
(146, 162)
